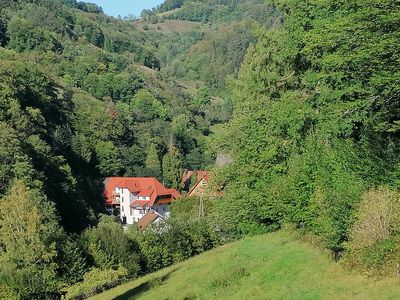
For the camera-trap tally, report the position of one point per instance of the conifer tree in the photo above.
(153, 162)
(172, 168)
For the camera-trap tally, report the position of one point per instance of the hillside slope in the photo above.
(273, 266)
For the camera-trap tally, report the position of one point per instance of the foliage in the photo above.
(173, 241)
(84, 96)
(273, 266)
(373, 244)
(96, 281)
(28, 243)
(304, 100)
(153, 162)
(109, 159)
(110, 247)
(7, 293)
(72, 261)
(24, 36)
(172, 168)
(308, 106)
(377, 218)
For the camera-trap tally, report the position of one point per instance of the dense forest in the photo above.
(315, 131)
(85, 96)
(302, 96)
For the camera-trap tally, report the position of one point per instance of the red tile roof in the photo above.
(139, 203)
(186, 176)
(147, 219)
(199, 175)
(145, 193)
(149, 186)
(203, 174)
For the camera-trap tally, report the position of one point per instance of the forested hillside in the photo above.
(315, 131)
(301, 96)
(84, 96)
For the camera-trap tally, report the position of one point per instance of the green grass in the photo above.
(273, 266)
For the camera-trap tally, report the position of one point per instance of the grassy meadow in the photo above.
(272, 266)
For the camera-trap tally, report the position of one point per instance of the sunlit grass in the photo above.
(273, 266)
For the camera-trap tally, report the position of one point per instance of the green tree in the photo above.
(110, 247)
(9, 150)
(110, 163)
(3, 31)
(24, 36)
(28, 234)
(172, 168)
(153, 162)
(147, 107)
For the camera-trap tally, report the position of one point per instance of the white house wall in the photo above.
(132, 215)
(125, 203)
(137, 214)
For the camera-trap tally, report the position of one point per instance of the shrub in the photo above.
(154, 255)
(7, 293)
(374, 239)
(96, 281)
(375, 257)
(111, 248)
(174, 241)
(24, 36)
(378, 218)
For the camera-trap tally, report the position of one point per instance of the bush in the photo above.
(378, 257)
(24, 36)
(374, 240)
(154, 255)
(110, 247)
(7, 293)
(378, 218)
(174, 240)
(96, 281)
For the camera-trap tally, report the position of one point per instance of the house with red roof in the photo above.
(135, 197)
(148, 219)
(198, 186)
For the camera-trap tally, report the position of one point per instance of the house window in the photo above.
(122, 199)
(122, 208)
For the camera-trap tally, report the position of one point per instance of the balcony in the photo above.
(116, 197)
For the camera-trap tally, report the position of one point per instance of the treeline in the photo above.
(82, 98)
(78, 106)
(314, 135)
(313, 138)
(41, 261)
(217, 54)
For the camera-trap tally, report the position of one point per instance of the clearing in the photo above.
(272, 266)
